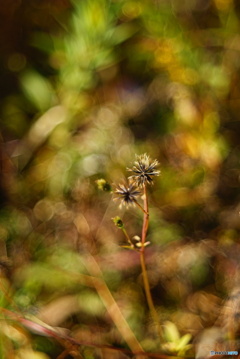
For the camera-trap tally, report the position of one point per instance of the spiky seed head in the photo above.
(144, 169)
(127, 194)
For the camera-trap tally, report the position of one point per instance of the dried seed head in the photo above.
(127, 194)
(143, 170)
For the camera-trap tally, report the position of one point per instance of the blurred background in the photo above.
(86, 85)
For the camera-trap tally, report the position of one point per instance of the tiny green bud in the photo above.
(118, 222)
(103, 185)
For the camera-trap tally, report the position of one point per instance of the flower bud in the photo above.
(103, 185)
(118, 222)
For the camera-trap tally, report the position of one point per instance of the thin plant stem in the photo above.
(62, 338)
(127, 236)
(153, 311)
(142, 209)
(148, 293)
(146, 216)
(112, 307)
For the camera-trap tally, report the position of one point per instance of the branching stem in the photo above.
(127, 236)
(142, 209)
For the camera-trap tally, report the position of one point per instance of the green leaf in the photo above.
(171, 332)
(121, 33)
(42, 41)
(37, 89)
(90, 302)
(184, 340)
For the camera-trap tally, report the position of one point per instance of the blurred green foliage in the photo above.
(85, 86)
